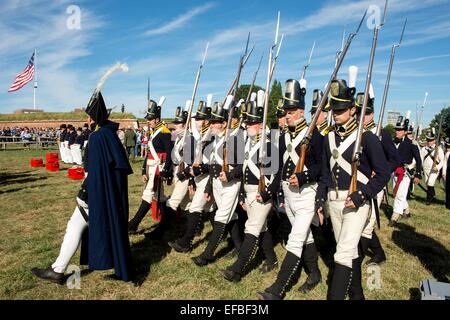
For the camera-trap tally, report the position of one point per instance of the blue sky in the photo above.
(165, 41)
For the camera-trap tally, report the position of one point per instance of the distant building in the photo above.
(22, 111)
(392, 117)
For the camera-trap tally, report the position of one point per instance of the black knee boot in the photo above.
(355, 291)
(235, 233)
(270, 261)
(246, 253)
(167, 216)
(207, 256)
(430, 195)
(378, 253)
(140, 214)
(289, 269)
(184, 244)
(310, 259)
(340, 282)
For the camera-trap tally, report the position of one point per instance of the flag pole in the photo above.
(35, 80)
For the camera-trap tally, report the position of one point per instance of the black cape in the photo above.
(107, 186)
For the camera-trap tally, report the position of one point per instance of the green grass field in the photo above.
(36, 205)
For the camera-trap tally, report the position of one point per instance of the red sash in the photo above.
(399, 173)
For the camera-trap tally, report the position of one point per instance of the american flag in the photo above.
(24, 77)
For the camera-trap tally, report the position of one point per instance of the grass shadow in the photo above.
(20, 189)
(432, 254)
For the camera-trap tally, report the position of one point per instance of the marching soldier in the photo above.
(369, 239)
(402, 174)
(299, 191)
(62, 138)
(257, 205)
(223, 186)
(349, 212)
(156, 165)
(445, 172)
(411, 167)
(197, 174)
(179, 199)
(431, 163)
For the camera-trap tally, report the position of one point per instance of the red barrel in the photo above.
(51, 157)
(36, 162)
(75, 173)
(52, 166)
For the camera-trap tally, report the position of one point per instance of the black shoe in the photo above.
(268, 266)
(233, 254)
(49, 274)
(178, 248)
(267, 296)
(231, 276)
(201, 261)
(155, 234)
(376, 260)
(311, 282)
(392, 224)
(407, 215)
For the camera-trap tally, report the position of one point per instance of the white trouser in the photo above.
(180, 194)
(149, 193)
(72, 238)
(367, 232)
(198, 202)
(75, 150)
(62, 151)
(299, 204)
(68, 152)
(226, 198)
(257, 212)
(348, 225)
(430, 178)
(400, 201)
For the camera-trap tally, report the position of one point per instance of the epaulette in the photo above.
(165, 130)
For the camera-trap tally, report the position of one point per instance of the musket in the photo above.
(357, 149)
(191, 105)
(338, 53)
(386, 85)
(242, 60)
(419, 124)
(306, 140)
(254, 79)
(436, 145)
(309, 61)
(270, 70)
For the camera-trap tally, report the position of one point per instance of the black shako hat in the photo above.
(96, 108)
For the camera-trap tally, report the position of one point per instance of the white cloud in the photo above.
(180, 21)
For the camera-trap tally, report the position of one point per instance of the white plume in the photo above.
(302, 83)
(352, 75)
(408, 114)
(239, 103)
(253, 96)
(117, 67)
(228, 102)
(187, 105)
(209, 99)
(371, 93)
(260, 101)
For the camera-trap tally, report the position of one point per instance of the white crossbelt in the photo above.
(251, 151)
(339, 151)
(216, 158)
(293, 153)
(152, 148)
